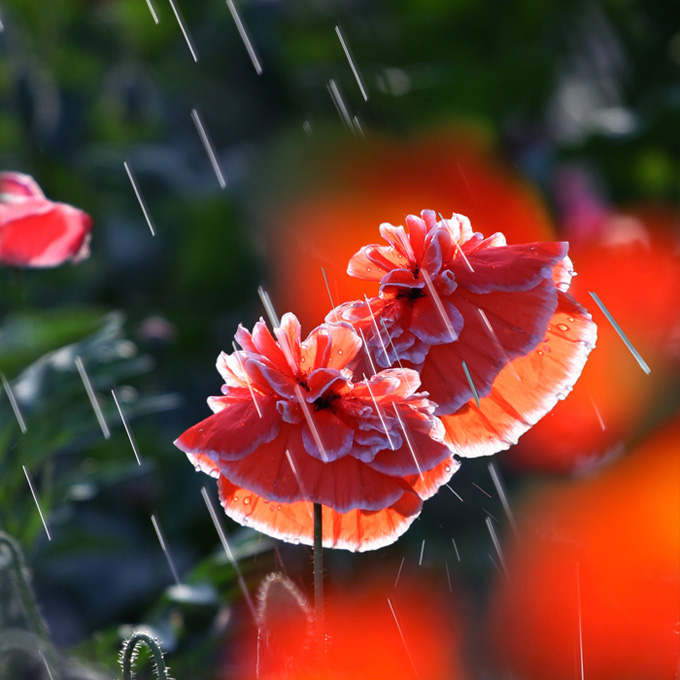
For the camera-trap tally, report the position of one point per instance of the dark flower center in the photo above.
(411, 294)
(325, 401)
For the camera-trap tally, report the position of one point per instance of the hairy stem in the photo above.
(17, 567)
(318, 588)
(128, 655)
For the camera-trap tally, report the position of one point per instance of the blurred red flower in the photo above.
(630, 260)
(611, 545)
(451, 300)
(35, 232)
(376, 633)
(333, 208)
(285, 631)
(293, 428)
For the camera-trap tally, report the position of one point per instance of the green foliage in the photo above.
(27, 336)
(22, 628)
(61, 422)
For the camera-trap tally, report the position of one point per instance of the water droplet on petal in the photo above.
(571, 318)
(235, 499)
(368, 269)
(447, 468)
(278, 507)
(540, 354)
(563, 326)
(246, 500)
(339, 351)
(546, 349)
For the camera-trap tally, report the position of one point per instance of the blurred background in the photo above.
(260, 163)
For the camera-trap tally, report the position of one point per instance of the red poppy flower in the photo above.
(319, 219)
(600, 573)
(35, 232)
(293, 428)
(378, 633)
(630, 254)
(451, 300)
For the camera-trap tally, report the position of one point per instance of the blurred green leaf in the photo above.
(26, 336)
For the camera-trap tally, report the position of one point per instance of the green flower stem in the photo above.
(128, 655)
(318, 589)
(17, 566)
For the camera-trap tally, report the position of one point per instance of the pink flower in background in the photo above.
(294, 427)
(451, 300)
(35, 232)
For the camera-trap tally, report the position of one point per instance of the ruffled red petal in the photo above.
(289, 334)
(562, 274)
(518, 321)
(23, 208)
(235, 431)
(401, 279)
(423, 454)
(335, 437)
(529, 387)
(270, 377)
(435, 320)
(266, 345)
(356, 530)
(437, 245)
(234, 371)
(372, 262)
(245, 339)
(417, 231)
(399, 240)
(429, 482)
(459, 227)
(509, 268)
(37, 233)
(322, 380)
(18, 185)
(330, 347)
(392, 383)
(283, 471)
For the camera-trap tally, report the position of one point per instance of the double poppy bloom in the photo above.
(34, 231)
(488, 329)
(492, 331)
(294, 427)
